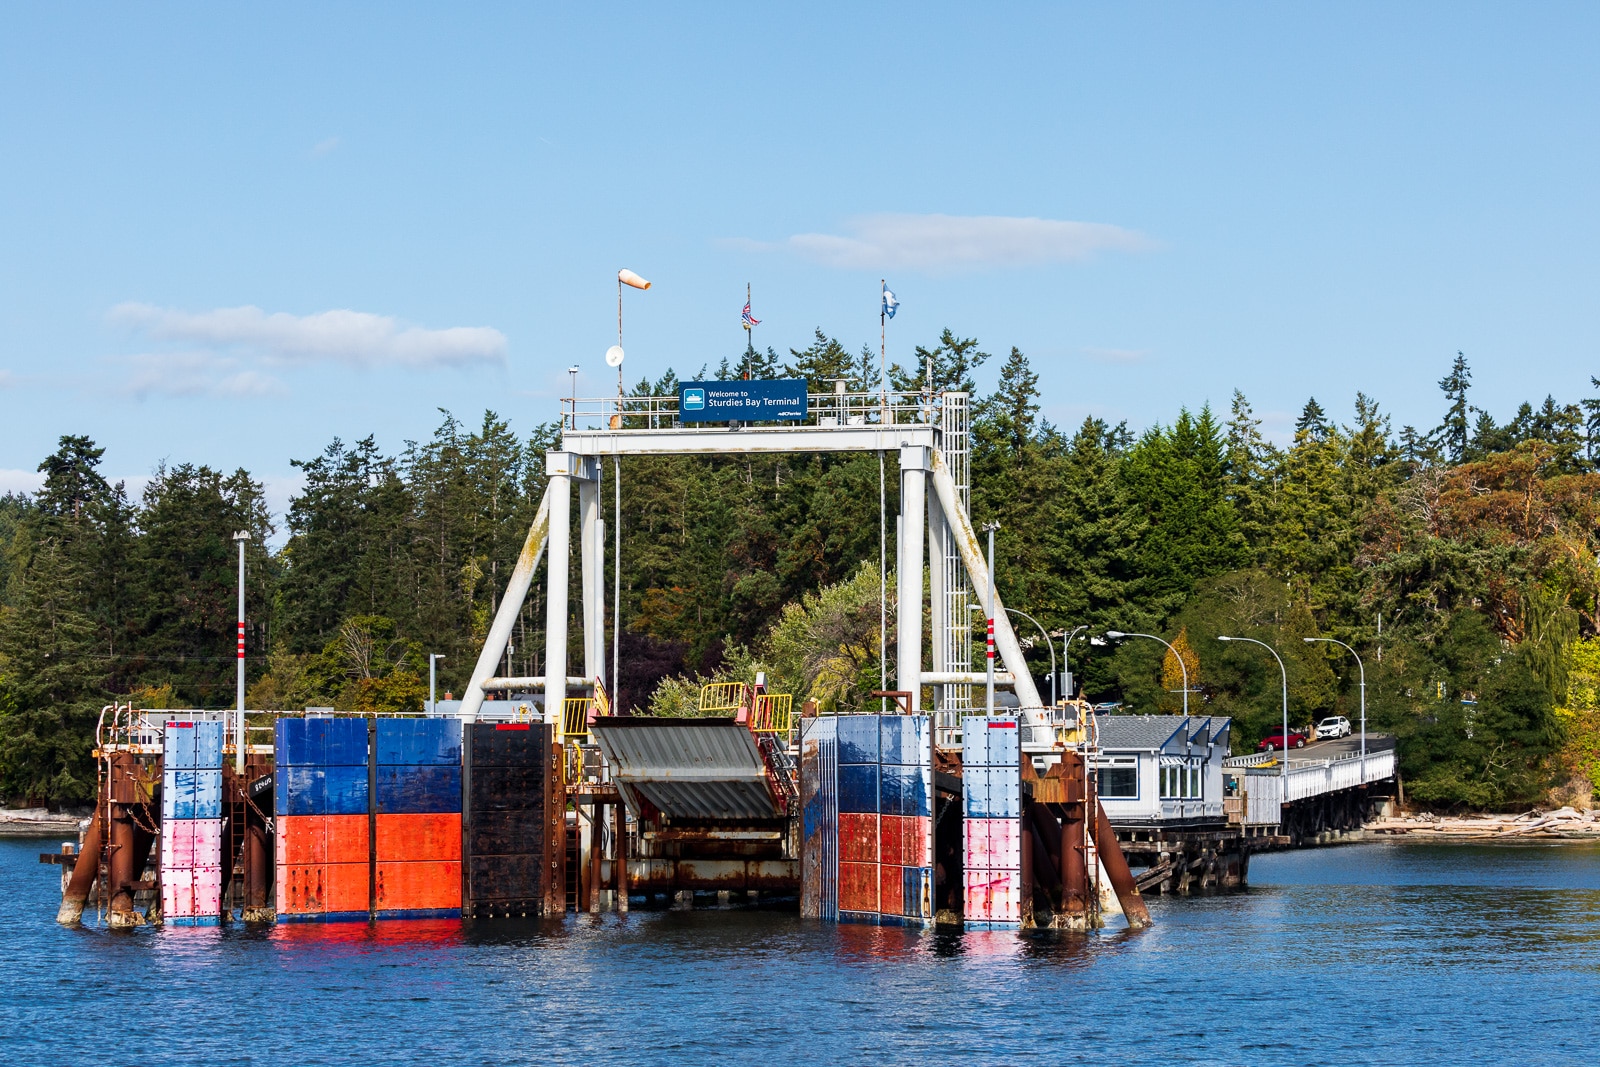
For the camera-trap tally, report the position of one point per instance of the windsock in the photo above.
(627, 277)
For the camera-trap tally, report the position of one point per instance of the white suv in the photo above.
(1333, 726)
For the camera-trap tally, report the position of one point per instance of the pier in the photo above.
(533, 798)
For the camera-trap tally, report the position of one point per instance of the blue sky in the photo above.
(229, 233)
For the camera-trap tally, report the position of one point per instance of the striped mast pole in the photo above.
(238, 736)
(989, 639)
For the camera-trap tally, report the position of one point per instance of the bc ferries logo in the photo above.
(694, 399)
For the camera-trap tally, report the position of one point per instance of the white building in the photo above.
(1161, 769)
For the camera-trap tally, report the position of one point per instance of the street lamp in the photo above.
(1363, 669)
(1047, 645)
(241, 536)
(1283, 761)
(1117, 635)
(1066, 662)
(433, 703)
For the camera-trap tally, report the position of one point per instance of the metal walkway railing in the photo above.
(1267, 785)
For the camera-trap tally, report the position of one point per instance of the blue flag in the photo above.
(889, 302)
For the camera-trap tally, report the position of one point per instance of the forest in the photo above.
(1458, 560)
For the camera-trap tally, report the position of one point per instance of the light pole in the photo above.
(1361, 667)
(1048, 645)
(1283, 761)
(241, 536)
(1066, 662)
(1117, 635)
(988, 612)
(629, 278)
(433, 688)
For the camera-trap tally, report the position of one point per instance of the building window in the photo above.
(1119, 783)
(1179, 782)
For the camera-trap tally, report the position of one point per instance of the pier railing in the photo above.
(1267, 786)
(822, 410)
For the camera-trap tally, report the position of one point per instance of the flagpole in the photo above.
(749, 336)
(883, 500)
(883, 348)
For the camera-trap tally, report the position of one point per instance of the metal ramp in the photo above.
(688, 770)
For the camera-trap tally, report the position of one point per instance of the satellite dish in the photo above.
(614, 356)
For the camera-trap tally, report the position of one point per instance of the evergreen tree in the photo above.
(1011, 414)
(1488, 438)
(1312, 423)
(51, 682)
(952, 363)
(826, 362)
(1561, 426)
(183, 598)
(1452, 434)
(1252, 485)
(1176, 477)
(1590, 407)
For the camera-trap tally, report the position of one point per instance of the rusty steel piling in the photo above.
(84, 872)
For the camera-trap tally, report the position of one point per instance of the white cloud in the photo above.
(15, 481)
(7, 379)
(196, 374)
(356, 338)
(324, 146)
(1117, 355)
(960, 242)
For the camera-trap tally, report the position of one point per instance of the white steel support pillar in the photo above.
(938, 595)
(592, 534)
(914, 462)
(559, 467)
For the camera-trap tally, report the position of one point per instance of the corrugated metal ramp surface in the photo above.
(687, 768)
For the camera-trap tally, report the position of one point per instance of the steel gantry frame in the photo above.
(930, 439)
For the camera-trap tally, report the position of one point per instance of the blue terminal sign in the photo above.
(782, 399)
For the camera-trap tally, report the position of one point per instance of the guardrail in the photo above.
(773, 714)
(1267, 788)
(575, 718)
(822, 410)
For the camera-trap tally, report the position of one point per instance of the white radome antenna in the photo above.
(614, 356)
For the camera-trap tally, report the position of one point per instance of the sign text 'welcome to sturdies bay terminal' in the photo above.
(743, 401)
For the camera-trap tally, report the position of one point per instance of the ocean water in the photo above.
(1392, 953)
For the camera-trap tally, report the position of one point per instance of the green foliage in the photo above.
(1580, 717)
(678, 697)
(825, 646)
(1452, 433)
(1176, 479)
(51, 684)
(1473, 547)
(1493, 752)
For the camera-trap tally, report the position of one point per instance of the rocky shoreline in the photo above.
(39, 822)
(1561, 823)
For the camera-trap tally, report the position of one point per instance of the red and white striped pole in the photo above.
(989, 611)
(238, 734)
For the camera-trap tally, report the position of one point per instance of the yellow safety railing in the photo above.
(773, 714)
(722, 696)
(575, 718)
